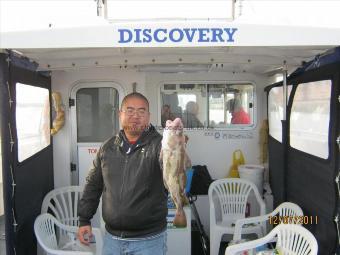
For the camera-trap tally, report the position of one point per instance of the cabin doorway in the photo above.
(94, 119)
(94, 116)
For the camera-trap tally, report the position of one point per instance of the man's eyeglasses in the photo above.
(131, 112)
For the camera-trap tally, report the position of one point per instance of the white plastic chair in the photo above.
(56, 238)
(287, 212)
(292, 239)
(232, 195)
(63, 204)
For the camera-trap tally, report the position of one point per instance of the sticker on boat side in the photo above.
(228, 136)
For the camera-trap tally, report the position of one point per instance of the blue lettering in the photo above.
(217, 32)
(189, 35)
(230, 32)
(161, 35)
(137, 32)
(147, 35)
(203, 35)
(155, 35)
(122, 39)
(180, 33)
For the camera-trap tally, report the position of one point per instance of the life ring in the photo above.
(59, 120)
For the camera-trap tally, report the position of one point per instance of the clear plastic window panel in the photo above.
(32, 119)
(231, 105)
(309, 120)
(97, 114)
(275, 111)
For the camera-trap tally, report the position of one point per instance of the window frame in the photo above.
(233, 127)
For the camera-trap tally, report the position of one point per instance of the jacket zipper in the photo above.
(121, 192)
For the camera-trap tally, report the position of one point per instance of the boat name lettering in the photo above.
(177, 35)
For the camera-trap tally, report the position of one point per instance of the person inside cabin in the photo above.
(239, 115)
(127, 174)
(190, 119)
(166, 114)
(173, 103)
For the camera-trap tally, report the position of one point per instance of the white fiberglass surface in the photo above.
(37, 14)
(165, 9)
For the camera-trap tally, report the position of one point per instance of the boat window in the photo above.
(32, 119)
(208, 105)
(97, 114)
(231, 105)
(185, 101)
(309, 120)
(275, 111)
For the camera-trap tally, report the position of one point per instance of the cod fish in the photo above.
(175, 161)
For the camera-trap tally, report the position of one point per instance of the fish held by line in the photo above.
(175, 161)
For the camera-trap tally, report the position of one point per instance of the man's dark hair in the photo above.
(135, 95)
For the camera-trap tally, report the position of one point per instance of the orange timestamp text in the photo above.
(306, 220)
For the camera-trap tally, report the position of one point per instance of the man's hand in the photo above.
(84, 234)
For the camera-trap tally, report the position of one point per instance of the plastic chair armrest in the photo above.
(73, 229)
(262, 207)
(251, 220)
(67, 228)
(212, 213)
(235, 248)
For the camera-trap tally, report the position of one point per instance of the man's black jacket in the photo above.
(129, 178)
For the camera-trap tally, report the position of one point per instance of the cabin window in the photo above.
(185, 101)
(32, 119)
(309, 120)
(212, 105)
(97, 114)
(275, 111)
(231, 105)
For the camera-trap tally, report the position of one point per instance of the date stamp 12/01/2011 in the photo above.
(306, 220)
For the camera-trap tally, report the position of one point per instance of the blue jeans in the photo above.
(153, 245)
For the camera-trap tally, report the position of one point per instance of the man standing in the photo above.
(127, 173)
